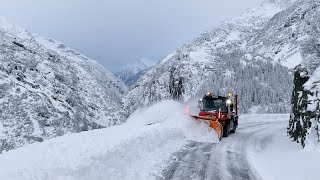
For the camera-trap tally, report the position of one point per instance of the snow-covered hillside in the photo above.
(234, 56)
(48, 89)
(139, 149)
(303, 20)
(132, 72)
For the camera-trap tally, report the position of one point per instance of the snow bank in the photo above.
(135, 150)
(275, 157)
(285, 160)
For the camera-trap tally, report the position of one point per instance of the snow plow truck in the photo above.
(221, 112)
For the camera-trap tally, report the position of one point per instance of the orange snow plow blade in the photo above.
(214, 124)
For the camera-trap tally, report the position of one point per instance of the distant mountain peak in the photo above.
(139, 65)
(133, 71)
(146, 61)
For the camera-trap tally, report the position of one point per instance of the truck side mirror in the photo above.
(231, 107)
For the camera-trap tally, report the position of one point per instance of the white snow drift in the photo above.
(275, 157)
(137, 150)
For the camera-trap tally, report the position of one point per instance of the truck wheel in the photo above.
(226, 129)
(234, 127)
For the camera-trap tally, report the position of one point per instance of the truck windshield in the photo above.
(214, 105)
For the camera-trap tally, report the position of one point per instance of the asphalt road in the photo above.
(225, 160)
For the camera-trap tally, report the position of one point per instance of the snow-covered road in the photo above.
(161, 142)
(228, 159)
(260, 149)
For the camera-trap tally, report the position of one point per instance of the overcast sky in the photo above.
(117, 32)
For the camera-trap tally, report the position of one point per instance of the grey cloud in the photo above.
(116, 32)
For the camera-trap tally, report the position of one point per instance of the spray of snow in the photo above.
(138, 149)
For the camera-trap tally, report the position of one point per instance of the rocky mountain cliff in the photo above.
(247, 55)
(302, 22)
(48, 89)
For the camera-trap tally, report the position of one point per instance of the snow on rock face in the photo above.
(104, 77)
(132, 72)
(205, 64)
(305, 117)
(304, 120)
(288, 33)
(139, 149)
(47, 90)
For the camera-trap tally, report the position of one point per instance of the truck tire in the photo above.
(233, 130)
(226, 129)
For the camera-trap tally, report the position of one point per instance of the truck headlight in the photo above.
(229, 101)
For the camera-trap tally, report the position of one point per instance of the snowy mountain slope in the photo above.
(154, 144)
(132, 72)
(223, 59)
(304, 121)
(287, 32)
(91, 66)
(47, 91)
(138, 149)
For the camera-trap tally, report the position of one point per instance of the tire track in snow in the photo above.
(226, 160)
(194, 157)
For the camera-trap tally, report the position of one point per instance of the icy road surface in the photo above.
(229, 158)
(259, 150)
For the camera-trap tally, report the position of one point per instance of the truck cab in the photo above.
(224, 108)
